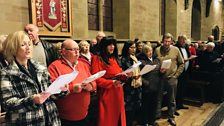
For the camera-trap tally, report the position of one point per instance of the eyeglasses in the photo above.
(74, 49)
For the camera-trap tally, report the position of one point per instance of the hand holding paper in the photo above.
(166, 64)
(147, 68)
(94, 77)
(217, 60)
(65, 88)
(61, 81)
(120, 77)
(130, 69)
(41, 98)
(77, 87)
(192, 57)
(87, 87)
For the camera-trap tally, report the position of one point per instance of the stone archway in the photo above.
(196, 20)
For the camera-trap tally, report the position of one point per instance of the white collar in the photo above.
(69, 63)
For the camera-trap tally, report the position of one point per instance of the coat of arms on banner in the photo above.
(53, 17)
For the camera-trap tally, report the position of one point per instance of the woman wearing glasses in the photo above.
(132, 88)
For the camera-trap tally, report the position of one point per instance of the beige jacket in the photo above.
(177, 65)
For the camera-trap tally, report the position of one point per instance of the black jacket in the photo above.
(151, 80)
(51, 52)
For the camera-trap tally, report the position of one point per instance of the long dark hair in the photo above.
(125, 49)
(103, 53)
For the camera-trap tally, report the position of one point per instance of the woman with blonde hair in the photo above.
(23, 86)
(151, 86)
(85, 54)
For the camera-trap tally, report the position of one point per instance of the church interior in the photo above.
(124, 20)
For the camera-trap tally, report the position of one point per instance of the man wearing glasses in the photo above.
(73, 108)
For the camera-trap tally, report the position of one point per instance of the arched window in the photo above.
(100, 15)
(215, 33)
(162, 17)
(107, 15)
(93, 15)
(196, 20)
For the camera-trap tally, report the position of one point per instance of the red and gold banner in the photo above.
(52, 15)
(39, 13)
(64, 16)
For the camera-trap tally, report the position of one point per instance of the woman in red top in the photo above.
(110, 92)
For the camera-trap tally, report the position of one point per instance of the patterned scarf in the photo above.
(136, 82)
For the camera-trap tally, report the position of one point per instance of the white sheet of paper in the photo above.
(217, 60)
(131, 68)
(61, 81)
(147, 68)
(166, 64)
(192, 57)
(94, 77)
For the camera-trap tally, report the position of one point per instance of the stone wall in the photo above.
(121, 20)
(145, 19)
(184, 19)
(215, 18)
(14, 15)
(131, 18)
